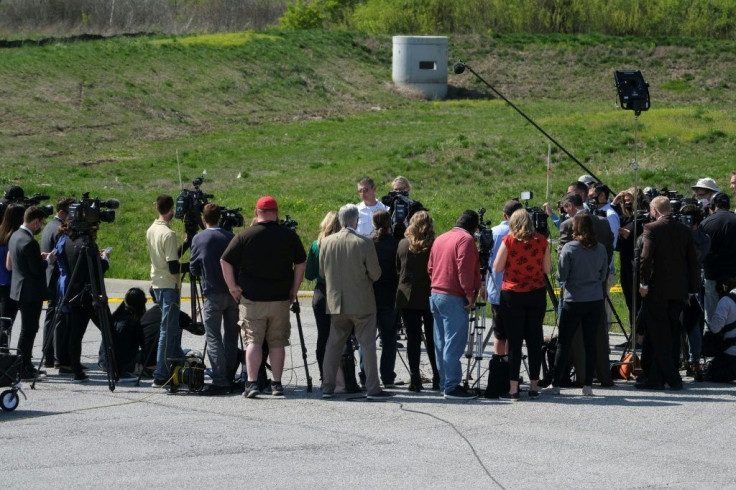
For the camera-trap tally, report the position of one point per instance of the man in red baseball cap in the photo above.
(270, 260)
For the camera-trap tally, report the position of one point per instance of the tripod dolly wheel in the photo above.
(9, 400)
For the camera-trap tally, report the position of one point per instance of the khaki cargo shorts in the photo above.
(265, 320)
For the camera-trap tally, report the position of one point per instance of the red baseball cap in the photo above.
(267, 203)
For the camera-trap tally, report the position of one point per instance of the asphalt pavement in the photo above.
(67, 435)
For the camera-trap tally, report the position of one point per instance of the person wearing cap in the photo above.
(719, 264)
(13, 194)
(588, 180)
(220, 311)
(704, 190)
(368, 205)
(166, 271)
(495, 279)
(270, 260)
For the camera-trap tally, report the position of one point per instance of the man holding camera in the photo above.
(454, 270)
(166, 273)
(668, 273)
(220, 308)
(28, 282)
(270, 260)
(368, 205)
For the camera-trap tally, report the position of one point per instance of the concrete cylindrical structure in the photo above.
(420, 64)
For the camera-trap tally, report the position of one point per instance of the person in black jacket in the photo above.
(412, 296)
(384, 290)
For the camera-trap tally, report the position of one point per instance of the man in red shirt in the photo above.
(454, 270)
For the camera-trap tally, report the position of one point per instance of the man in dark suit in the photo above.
(572, 203)
(349, 264)
(668, 273)
(28, 284)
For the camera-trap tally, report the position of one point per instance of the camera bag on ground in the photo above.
(187, 372)
(348, 370)
(549, 351)
(714, 344)
(498, 376)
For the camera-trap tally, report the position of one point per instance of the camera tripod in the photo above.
(94, 290)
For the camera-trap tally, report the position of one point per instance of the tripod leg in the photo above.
(99, 303)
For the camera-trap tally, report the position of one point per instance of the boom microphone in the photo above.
(458, 67)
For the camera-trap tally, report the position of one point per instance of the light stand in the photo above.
(633, 94)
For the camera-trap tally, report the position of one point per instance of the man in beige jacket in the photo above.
(349, 264)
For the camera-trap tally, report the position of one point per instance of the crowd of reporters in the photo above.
(424, 283)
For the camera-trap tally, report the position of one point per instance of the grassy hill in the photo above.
(303, 115)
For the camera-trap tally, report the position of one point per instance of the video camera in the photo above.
(189, 206)
(687, 210)
(289, 223)
(484, 239)
(87, 212)
(26, 201)
(230, 218)
(537, 214)
(402, 209)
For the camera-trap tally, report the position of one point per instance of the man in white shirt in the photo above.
(368, 206)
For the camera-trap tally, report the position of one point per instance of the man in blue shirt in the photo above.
(494, 279)
(220, 308)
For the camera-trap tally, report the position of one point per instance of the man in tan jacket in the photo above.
(349, 264)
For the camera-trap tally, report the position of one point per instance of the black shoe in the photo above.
(380, 396)
(30, 373)
(158, 383)
(277, 389)
(435, 384)
(251, 390)
(65, 370)
(80, 377)
(214, 390)
(514, 397)
(49, 364)
(649, 385)
(677, 386)
(533, 394)
(460, 393)
(416, 384)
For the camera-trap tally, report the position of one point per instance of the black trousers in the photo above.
(30, 314)
(663, 329)
(721, 369)
(587, 315)
(523, 315)
(413, 321)
(78, 319)
(319, 307)
(8, 309)
(49, 342)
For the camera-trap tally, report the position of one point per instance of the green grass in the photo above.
(303, 115)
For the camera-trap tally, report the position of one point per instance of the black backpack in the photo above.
(498, 376)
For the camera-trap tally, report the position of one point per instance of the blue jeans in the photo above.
(169, 340)
(711, 299)
(450, 337)
(220, 314)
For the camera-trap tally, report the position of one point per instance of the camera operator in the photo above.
(80, 301)
(400, 206)
(720, 262)
(368, 205)
(13, 194)
(495, 279)
(220, 311)
(588, 180)
(166, 273)
(454, 270)
(28, 283)
(667, 274)
(271, 261)
(50, 331)
(692, 319)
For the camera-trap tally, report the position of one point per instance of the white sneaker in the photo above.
(551, 390)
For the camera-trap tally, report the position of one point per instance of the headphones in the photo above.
(719, 200)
